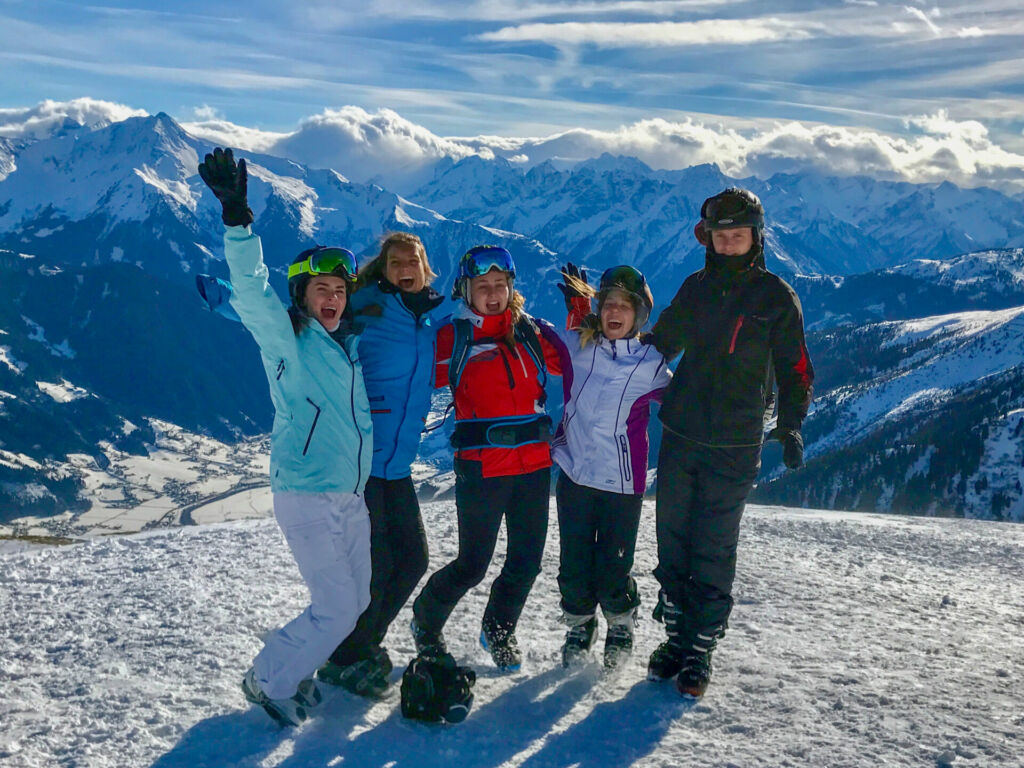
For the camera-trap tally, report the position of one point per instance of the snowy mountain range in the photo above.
(105, 226)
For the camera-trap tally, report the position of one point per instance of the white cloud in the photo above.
(386, 147)
(206, 112)
(48, 116)
(919, 14)
(658, 34)
(227, 134)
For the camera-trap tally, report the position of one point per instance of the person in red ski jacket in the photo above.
(496, 359)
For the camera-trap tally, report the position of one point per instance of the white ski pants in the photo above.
(329, 536)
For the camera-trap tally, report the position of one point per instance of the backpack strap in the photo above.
(525, 332)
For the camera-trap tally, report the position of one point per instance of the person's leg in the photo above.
(407, 542)
(329, 536)
(526, 522)
(576, 569)
(357, 645)
(727, 476)
(618, 519)
(576, 529)
(480, 505)
(677, 490)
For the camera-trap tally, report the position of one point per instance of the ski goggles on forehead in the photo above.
(326, 261)
(624, 276)
(483, 258)
(730, 211)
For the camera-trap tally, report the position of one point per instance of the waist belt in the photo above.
(507, 432)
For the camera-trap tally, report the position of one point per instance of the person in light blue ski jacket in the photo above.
(321, 443)
(601, 448)
(396, 311)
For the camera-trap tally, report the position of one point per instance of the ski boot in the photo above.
(696, 671)
(428, 644)
(695, 674)
(500, 642)
(291, 711)
(578, 639)
(618, 643)
(366, 677)
(667, 658)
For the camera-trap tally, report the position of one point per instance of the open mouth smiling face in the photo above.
(404, 269)
(326, 298)
(617, 315)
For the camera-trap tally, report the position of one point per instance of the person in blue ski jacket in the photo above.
(320, 447)
(398, 311)
(601, 449)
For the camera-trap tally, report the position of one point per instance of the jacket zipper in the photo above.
(408, 391)
(313, 427)
(624, 448)
(735, 333)
(355, 421)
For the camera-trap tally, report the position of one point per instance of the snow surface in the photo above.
(857, 640)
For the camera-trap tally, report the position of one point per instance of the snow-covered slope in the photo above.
(992, 279)
(856, 641)
(916, 416)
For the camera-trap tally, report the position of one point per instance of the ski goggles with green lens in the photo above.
(483, 258)
(326, 261)
(623, 276)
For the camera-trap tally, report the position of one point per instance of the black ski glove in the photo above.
(792, 446)
(228, 182)
(570, 270)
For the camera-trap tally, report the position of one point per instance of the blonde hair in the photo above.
(376, 269)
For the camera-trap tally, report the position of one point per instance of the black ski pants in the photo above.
(398, 557)
(522, 501)
(701, 495)
(597, 534)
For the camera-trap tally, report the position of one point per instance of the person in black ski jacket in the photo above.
(741, 330)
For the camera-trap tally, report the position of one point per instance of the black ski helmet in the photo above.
(631, 281)
(731, 208)
(319, 260)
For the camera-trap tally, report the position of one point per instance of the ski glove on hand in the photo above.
(792, 446)
(228, 182)
(570, 274)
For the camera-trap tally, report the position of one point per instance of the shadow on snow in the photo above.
(613, 734)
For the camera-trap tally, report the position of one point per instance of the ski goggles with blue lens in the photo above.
(483, 258)
(326, 261)
(623, 276)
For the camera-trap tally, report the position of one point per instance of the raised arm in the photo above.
(252, 298)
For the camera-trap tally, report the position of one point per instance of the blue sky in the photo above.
(534, 68)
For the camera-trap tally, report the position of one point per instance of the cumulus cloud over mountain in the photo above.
(384, 147)
(47, 117)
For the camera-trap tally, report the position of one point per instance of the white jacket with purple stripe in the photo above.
(602, 440)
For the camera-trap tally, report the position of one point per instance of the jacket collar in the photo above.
(488, 325)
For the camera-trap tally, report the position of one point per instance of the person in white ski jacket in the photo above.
(601, 447)
(320, 448)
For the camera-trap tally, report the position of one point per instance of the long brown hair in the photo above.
(376, 268)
